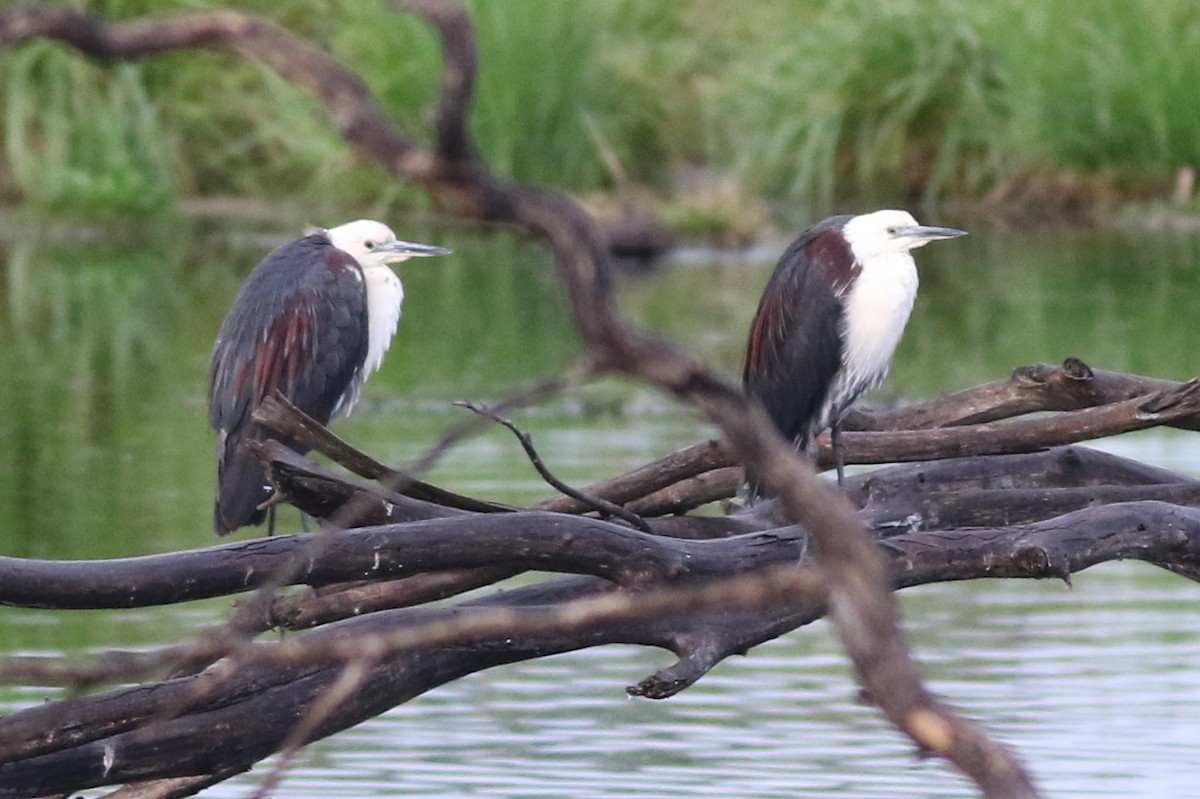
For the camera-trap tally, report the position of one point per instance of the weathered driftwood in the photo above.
(1040, 387)
(1106, 403)
(250, 697)
(279, 413)
(701, 588)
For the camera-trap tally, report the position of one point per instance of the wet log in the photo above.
(702, 597)
(229, 717)
(1073, 385)
(1104, 404)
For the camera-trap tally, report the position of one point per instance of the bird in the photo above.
(829, 320)
(311, 321)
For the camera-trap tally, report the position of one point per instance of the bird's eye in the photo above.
(893, 230)
(370, 245)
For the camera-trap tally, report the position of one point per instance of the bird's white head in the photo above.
(374, 244)
(885, 232)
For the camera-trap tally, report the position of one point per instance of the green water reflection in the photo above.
(104, 447)
(105, 451)
(104, 342)
(987, 303)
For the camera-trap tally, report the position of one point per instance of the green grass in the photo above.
(1112, 89)
(865, 99)
(79, 136)
(810, 104)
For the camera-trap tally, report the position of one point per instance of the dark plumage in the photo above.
(298, 330)
(789, 366)
(829, 320)
(313, 319)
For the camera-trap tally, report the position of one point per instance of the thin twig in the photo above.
(281, 415)
(601, 505)
(539, 393)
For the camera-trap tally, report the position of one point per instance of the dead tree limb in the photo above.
(1071, 386)
(853, 571)
(1093, 404)
(278, 413)
(664, 472)
(1026, 435)
(603, 506)
(701, 624)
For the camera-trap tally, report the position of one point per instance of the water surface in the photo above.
(105, 451)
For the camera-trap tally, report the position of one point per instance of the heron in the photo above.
(829, 321)
(312, 321)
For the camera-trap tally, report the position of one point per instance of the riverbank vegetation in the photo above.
(720, 118)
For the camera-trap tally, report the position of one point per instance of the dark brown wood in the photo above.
(997, 438)
(691, 493)
(1003, 506)
(1055, 467)
(886, 436)
(324, 495)
(701, 624)
(1073, 385)
(289, 421)
(526, 540)
(702, 599)
(666, 471)
(311, 609)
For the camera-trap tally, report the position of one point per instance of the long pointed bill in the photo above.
(928, 233)
(408, 249)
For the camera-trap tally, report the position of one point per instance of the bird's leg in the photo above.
(305, 522)
(271, 520)
(835, 440)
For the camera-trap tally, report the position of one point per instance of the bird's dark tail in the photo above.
(241, 484)
(752, 489)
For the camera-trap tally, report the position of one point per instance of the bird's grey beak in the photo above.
(929, 233)
(409, 249)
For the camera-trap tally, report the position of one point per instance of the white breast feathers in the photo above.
(876, 311)
(384, 297)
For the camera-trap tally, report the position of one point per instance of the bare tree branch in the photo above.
(1073, 385)
(997, 438)
(278, 413)
(662, 473)
(1106, 403)
(853, 570)
(603, 506)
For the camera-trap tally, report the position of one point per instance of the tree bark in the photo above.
(703, 588)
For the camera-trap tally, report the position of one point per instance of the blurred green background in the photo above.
(722, 116)
(138, 196)
(135, 197)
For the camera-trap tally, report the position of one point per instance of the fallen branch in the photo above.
(1029, 389)
(998, 438)
(279, 414)
(958, 425)
(426, 647)
(594, 503)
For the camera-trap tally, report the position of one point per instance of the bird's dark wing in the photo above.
(795, 347)
(299, 327)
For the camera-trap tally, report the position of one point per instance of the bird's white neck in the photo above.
(385, 294)
(876, 310)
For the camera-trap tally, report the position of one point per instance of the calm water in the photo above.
(104, 451)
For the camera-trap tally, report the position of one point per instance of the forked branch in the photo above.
(861, 603)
